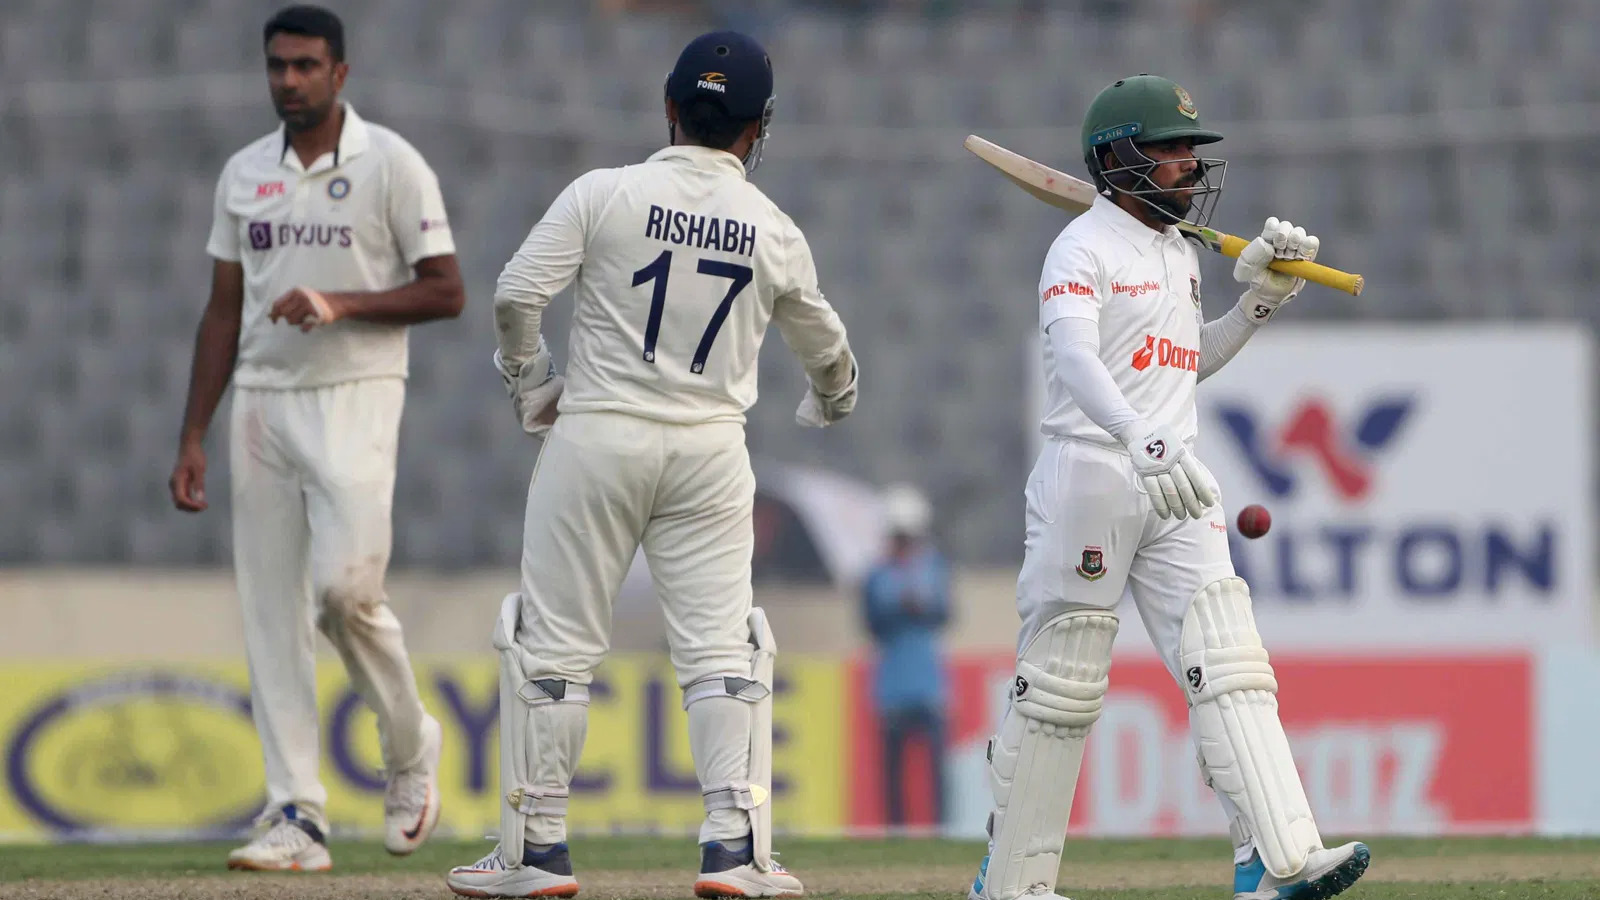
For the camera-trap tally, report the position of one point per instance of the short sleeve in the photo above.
(1072, 285)
(224, 241)
(416, 208)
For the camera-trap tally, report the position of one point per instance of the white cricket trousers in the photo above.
(608, 482)
(1093, 536)
(313, 487)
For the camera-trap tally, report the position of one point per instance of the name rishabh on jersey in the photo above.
(1142, 288)
(358, 219)
(680, 263)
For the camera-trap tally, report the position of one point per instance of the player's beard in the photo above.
(305, 117)
(1174, 203)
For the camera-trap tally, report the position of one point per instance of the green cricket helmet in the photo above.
(1149, 109)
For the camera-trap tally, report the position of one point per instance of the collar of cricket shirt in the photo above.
(353, 141)
(1135, 232)
(701, 157)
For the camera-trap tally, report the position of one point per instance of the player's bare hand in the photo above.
(306, 308)
(1269, 290)
(188, 481)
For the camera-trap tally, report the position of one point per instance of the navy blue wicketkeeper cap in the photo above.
(725, 66)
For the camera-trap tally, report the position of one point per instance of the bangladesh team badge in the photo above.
(1093, 565)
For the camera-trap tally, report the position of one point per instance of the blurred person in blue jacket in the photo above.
(907, 602)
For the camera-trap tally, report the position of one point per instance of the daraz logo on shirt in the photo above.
(1061, 289)
(1135, 290)
(1165, 353)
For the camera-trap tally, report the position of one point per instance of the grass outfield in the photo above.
(1417, 869)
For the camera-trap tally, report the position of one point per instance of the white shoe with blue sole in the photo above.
(1327, 873)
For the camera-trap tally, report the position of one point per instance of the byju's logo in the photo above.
(1343, 453)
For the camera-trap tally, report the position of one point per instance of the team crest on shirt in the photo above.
(1194, 290)
(1093, 565)
(339, 188)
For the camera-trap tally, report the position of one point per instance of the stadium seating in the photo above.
(116, 125)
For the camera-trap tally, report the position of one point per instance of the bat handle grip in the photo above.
(1316, 273)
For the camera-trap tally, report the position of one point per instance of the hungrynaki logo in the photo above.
(1135, 290)
(1165, 353)
(1067, 287)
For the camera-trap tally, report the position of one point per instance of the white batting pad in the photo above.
(1033, 762)
(1233, 711)
(732, 746)
(542, 726)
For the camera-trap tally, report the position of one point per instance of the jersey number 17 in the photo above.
(657, 272)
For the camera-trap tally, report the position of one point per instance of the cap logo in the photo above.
(1186, 103)
(713, 81)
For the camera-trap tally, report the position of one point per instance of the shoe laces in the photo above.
(407, 792)
(491, 863)
(285, 834)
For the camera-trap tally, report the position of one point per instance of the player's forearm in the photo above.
(1076, 348)
(518, 316)
(1222, 339)
(216, 348)
(817, 336)
(423, 300)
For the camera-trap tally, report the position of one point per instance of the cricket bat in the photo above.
(1076, 195)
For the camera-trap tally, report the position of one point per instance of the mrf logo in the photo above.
(1163, 352)
(1344, 452)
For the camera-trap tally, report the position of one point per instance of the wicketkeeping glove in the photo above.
(1268, 289)
(534, 389)
(818, 410)
(1177, 483)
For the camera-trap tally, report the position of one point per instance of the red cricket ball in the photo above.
(1254, 520)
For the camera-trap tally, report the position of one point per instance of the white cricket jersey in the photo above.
(1142, 288)
(357, 220)
(680, 264)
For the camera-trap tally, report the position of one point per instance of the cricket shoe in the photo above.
(291, 843)
(1037, 892)
(1326, 874)
(411, 801)
(546, 874)
(733, 873)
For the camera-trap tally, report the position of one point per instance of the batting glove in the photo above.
(534, 389)
(1178, 485)
(1268, 289)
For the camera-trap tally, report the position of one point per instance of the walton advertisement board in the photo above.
(1430, 487)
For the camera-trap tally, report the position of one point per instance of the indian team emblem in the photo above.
(339, 188)
(1186, 103)
(1093, 565)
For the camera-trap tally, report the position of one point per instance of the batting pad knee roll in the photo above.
(1233, 711)
(1056, 697)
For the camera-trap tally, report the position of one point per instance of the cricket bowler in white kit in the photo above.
(680, 264)
(329, 238)
(1118, 503)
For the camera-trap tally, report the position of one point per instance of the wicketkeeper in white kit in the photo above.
(680, 264)
(329, 238)
(1117, 502)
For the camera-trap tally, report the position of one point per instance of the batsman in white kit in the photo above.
(329, 238)
(680, 264)
(1118, 503)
